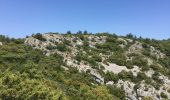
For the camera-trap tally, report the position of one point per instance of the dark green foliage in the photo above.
(145, 46)
(51, 47)
(78, 57)
(165, 62)
(93, 63)
(4, 38)
(39, 37)
(85, 32)
(81, 36)
(141, 76)
(156, 85)
(125, 75)
(68, 32)
(139, 61)
(155, 77)
(86, 46)
(110, 76)
(66, 42)
(79, 32)
(163, 95)
(119, 93)
(97, 58)
(130, 35)
(111, 39)
(85, 43)
(155, 67)
(109, 46)
(62, 47)
(146, 52)
(117, 58)
(129, 65)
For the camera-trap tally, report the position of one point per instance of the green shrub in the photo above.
(78, 57)
(155, 67)
(118, 59)
(168, 90)
(62, 47)
(111, 39)
(51, 47)
(110, 76)
(119, 93)
(93, 63)
(141, 76)
(39, 37)
(155, 77)
(4, 38)
(97, 58)
(139, 61)
(66, 42)
(146, 52)
(125, 75)
(163, 95)
(129, 65)
(156, 85)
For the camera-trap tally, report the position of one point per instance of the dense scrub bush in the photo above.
(109, 46)
(51, 47)
(155, 67)
(4, 38)
(146, 52)
(125, 75)
(141, 76)
(86, 46)
(156, 78)
(110, 76)
(164, 62)
(118, 59)
(97, 58)
(39, 37)
(139, 61)
(129, 65)
(93, 63)
(163, 95)
(62, 47)
(111, 39)
(118, 92)
(66, 42)
(144, 45)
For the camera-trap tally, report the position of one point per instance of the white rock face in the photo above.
(115, 68)
(0, 43)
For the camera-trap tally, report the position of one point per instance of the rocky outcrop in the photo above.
(132, 93)
(0, 43)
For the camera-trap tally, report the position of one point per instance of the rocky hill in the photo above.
(90, 66)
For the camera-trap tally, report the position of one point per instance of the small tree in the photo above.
(68, 32)
(39, 37)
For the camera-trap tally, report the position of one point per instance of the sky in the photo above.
(146, 18)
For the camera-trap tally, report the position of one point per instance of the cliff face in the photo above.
(136, 67)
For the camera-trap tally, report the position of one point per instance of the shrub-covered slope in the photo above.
(84, 67)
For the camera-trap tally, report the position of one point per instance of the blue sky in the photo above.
(147, 18)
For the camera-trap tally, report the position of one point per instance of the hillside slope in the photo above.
(84, 67)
